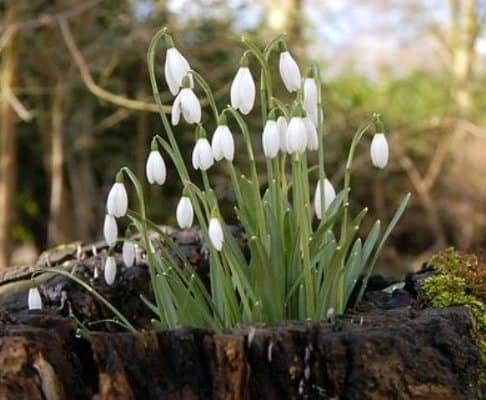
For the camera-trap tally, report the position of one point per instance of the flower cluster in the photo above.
(304, 261)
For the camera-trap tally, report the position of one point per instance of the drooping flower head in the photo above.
(187, 104)
(289, 71)
(34, 300)
(329, 195)
(184, 213)
(176, 67)
(155, 168)
(379, 150)
(110, 270)
(202, 155)
(110, 230)
(243, 88)
(117, 201)
(222, 142)
(216, 233)
(271, 139)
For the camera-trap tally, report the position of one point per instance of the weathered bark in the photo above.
(8, 66)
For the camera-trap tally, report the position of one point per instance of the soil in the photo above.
(391, 347)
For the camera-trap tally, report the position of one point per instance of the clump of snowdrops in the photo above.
(305, 253)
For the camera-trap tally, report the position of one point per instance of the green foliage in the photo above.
(460, 280)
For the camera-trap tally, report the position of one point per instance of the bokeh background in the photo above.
(75, 105)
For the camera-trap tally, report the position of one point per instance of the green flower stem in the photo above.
(235, 183)
(209, 93)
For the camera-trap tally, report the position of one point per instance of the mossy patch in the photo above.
(460, 279)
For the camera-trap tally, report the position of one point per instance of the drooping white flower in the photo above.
(243, 91)
(155, 168)
(202, 155)
(379, 150)
(312, 136)
(184, 213)
(282, 130)
(110, 230)
(289, 71)
(187, 104)
(296, 135)
(223, 144)
(110, 270)
(216, 234)
(310, 99)
(271, 139)
(329, 196)
(34, 299)
(117, 201)
(128, 253)
(176, 68)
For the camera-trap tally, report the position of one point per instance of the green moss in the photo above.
(460, 279)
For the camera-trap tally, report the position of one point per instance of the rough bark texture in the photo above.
(391, 348)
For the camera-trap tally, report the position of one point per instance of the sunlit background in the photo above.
(75, 106)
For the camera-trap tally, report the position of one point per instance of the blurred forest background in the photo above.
(75, 105)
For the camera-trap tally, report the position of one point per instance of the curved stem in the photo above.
(207, 90)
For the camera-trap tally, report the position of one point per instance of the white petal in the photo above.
(110, 230)
(310, 97)
(312, 137)
(329, 196)
(228, 144)
(217, 143)
(216, 234)
(184, 213)
(117, 201)
(110, 270)
(128, 253)
(176, 67)
(379, 150)
(235, 90)
(176, 110)
(296, 135)
(155, 168)
(246, 91)
(195, 156)
(190, 106)
(34, 299)
(282, 129)
(289, 71)
(205, 154)
(270, 139)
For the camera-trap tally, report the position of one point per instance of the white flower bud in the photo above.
(310, 99)
(188, 104)
(176, 67)
(110, 270)
(216, 234)
(289, 71)
(155, 168)
(184, 213)
(379, 150)
(117, 201)
(202, 155)
(223, 144)
(110, 230)
(312, 136)
(243, 91)
(282, 130)
(34, 299)
(296, 135)
(128, 253)
(329, 196)
(271, 139)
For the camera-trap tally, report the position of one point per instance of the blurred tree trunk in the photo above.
(285, 17)
(464, 32)
(60, 225)
(8, 67)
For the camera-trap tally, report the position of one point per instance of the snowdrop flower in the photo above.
(310, 98)
(187, 104)
(34, 299)
(379, 150)
(155, 168)
(216, 234)
(329, 196)
(184, 213)
(128, 253)
(296, 135)
(110, 270)
(117, 201)
(312, 137)
(223, 144)
(110, 230)
(271, 139)
(176, 68)
(282, 130)
(289, 71)
(202, 155)
(243, 90)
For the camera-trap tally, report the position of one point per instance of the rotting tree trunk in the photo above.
(8, 66)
